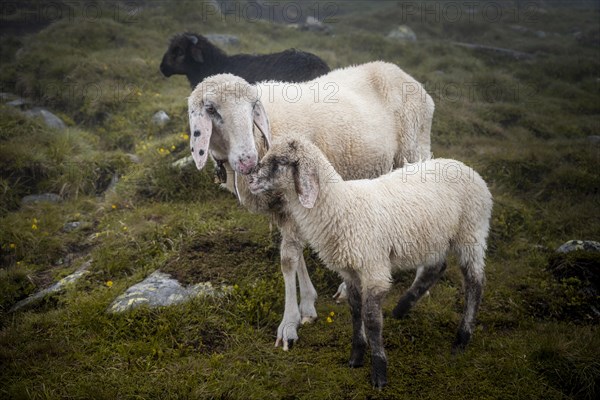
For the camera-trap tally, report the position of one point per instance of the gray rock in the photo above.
(41, 198)
(593, 139)
(183, 162)
(159, 290)
(18, 103)
(5, 96)
(134, 158)
(160, 118)
(312, 24)
(574, 245)
(49, 119)
(220, 39)
(71, 226)
(519, 28)
(403, 33)
(541, 34)
(55, 288)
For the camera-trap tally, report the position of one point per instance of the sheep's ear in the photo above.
(306, 180)
(196, 50)
(201, 130)
(262, 121)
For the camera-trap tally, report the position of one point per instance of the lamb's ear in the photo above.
(195, 50)
(306, 180)
(262, 121)
(200, 129)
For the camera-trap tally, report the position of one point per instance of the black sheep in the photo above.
(193, 55)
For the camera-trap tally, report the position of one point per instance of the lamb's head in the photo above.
(290, 167)
(183, 55)
(222, 110)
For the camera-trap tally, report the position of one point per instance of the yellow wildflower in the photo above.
(332, 314)
(124, 228)
(12, 246)
(329, 320)
(109, 283)
(34, 227)
(114, 206)
(173, 147)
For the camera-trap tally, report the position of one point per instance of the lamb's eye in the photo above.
(178, 52)
(210, 109)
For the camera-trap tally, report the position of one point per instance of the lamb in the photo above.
(337, 112)
(193, 55)
(362, 229)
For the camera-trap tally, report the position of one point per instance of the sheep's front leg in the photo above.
(373, 320)
(291, 253)
(308, 294)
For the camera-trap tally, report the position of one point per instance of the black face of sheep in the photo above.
(183, 55)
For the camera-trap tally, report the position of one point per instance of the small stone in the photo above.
(312, 24)
(593, 139)
(183, 162)
(5, 96)
(57, 287)
(574, 245)
(160, 290)
(404, 33)
(51, 120)
(71, 226)
(41, 198)
(134, 158)
(220, 39)
(160, 118)
(17, 103)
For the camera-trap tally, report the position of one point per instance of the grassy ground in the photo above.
(522, 124)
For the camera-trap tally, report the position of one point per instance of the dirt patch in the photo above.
(221, 258)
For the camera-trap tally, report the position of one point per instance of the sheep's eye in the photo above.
(210, 109)
(177, 52)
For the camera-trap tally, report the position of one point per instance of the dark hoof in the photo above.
(378, 382)
(462, 339)
(379, 372)
(403, 307)
(357, 358)
(356, 363)
(290, 343)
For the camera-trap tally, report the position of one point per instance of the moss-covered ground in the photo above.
(523, 124)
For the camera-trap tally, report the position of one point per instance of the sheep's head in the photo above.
(222, 111)
(183, 55)
(287, 168)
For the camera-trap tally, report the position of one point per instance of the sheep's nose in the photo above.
(247, 164)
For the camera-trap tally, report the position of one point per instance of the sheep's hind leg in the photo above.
(474, 279)
(425, 279)
(359, 340)
(373, 321)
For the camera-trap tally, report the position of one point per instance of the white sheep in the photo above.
(367, 119)
(411, 217)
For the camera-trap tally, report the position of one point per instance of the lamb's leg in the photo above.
(425, 279)
(373, 320)
(308, 294)
(359, 340)
(287, 332)
(474, 279)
